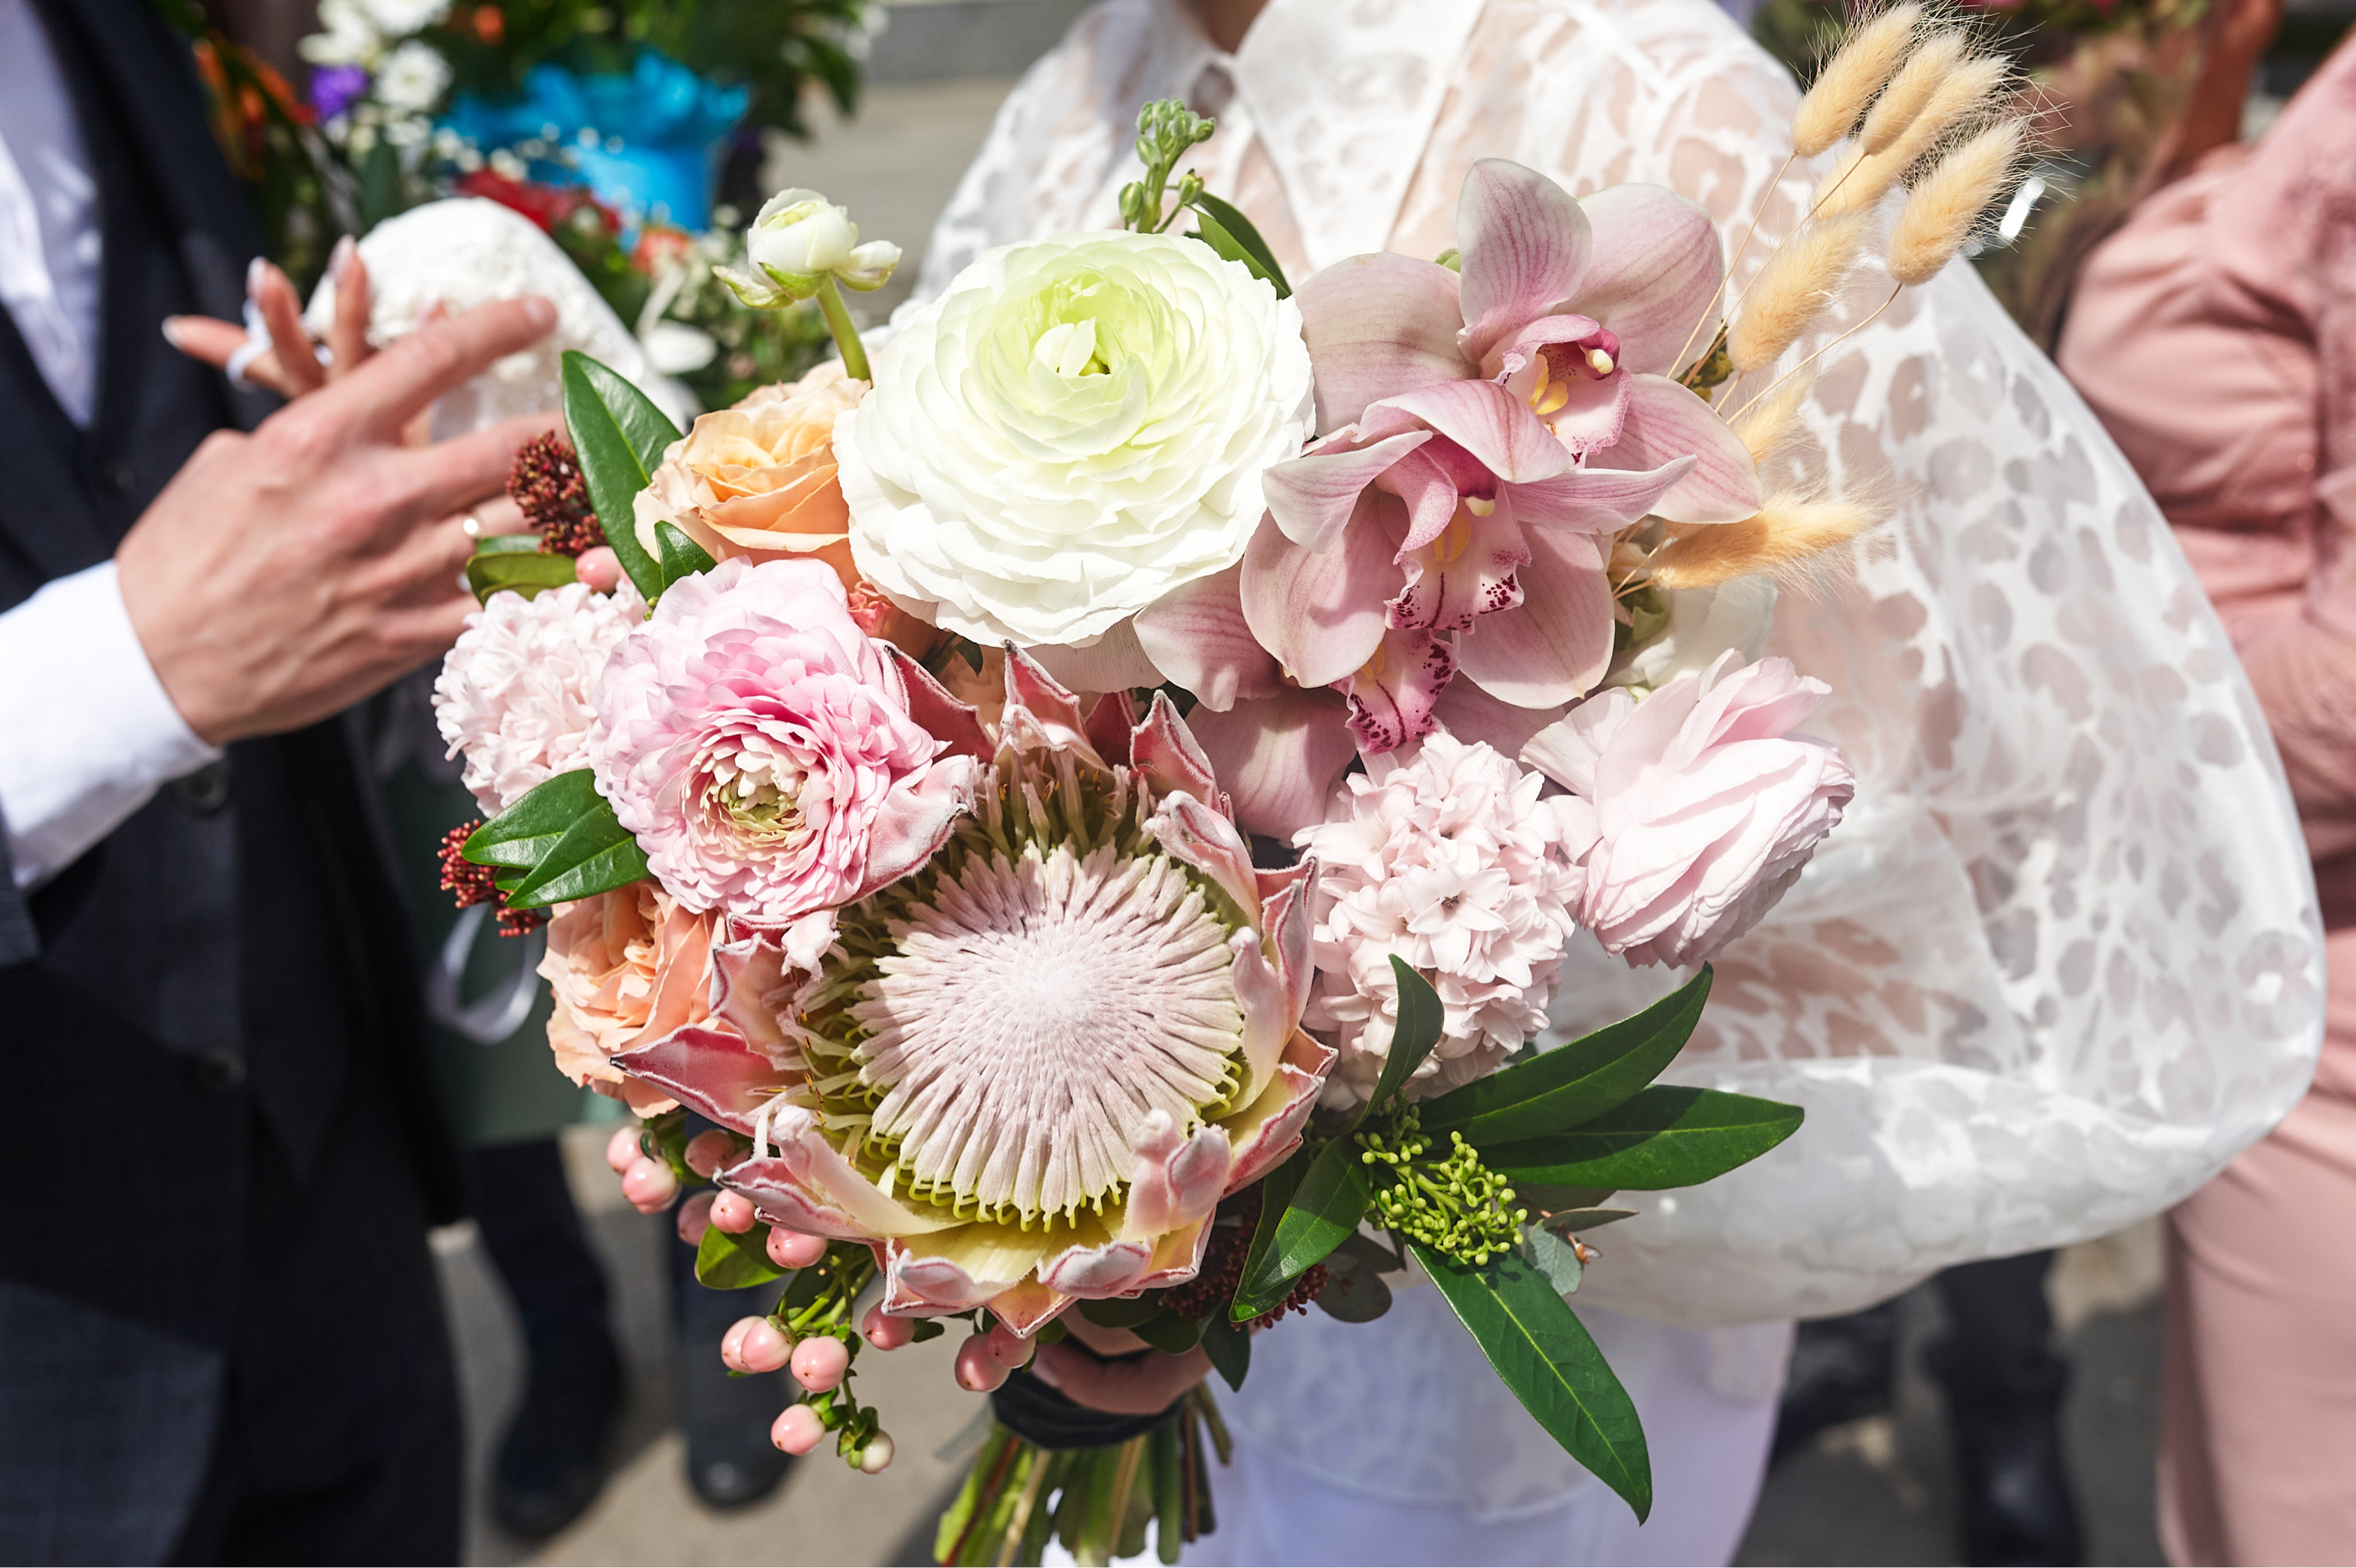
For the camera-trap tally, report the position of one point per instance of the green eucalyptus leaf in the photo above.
(596, 855)
(619, 438)
(527, 572)
(522, 836)
(1572, 1083)
(1332, 1199)
(1230, 1346)
(726, 1261)
(1421, 1017)
(1663, 1137)
(1552, 1257)
(681, 556)
(1239, 231)
(1539, 1350)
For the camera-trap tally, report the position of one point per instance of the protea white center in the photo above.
(1037, 1011)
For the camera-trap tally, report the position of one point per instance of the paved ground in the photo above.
(1875, 1491)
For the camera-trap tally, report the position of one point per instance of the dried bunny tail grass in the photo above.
(1798, 283)
(1766, 425)
(1788, 540)
(1911, 91)
(1851, 76)
(1968, 93)
(1945, 204)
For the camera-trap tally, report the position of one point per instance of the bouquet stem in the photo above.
(1097, 1500)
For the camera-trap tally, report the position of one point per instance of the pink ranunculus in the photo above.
(760, 746)
(1701, 807)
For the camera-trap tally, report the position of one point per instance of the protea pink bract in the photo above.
(1029, 1070)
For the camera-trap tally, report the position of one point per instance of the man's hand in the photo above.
(283, 576)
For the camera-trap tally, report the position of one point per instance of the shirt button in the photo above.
(217, 1070)
(202, 792)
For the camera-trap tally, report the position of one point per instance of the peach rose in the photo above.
(758, 479)
(627, 968)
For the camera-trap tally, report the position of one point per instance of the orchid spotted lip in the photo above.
(1484, 431)
(1029, 1071)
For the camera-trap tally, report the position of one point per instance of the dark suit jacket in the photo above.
(233, 957)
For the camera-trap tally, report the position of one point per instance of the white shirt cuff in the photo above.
(87, 733)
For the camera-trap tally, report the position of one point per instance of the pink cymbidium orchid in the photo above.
(1487, 432)
(1028, 1073)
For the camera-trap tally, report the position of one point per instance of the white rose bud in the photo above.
(802, 239)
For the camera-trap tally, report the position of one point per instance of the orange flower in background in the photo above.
(490, 24)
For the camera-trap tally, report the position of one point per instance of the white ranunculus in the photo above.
(413, 77)
(1078, 426)
(799, 240)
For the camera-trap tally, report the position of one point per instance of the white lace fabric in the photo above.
(2061, 960)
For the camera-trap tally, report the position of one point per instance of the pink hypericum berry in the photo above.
(754, 1345)
(600, 567)
(1008, 1349)
(649, 1185)
(979, 1371)
(819, 1363)
(732, 1212)
(622, 1149)
(694, 1218)
(793, 1249)
(799, 1430)
(710, 1152)
(876, 1458)
(886, 1332)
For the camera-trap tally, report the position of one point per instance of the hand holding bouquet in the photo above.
(1095, 830)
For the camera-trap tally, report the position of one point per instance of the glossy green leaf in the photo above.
(1539, 1350)
(1332, 1199)
(1421, 1017)
(1230, 1346)
(596, 855)
(1552, 1257)
(1210, 212)
(1570, 1222)
(1169, 1333)
(618, 437)
(1541, 1199)
(924, 1329)
(522, 836)
(509, 544)
(681, 556)
(527, 572)
(1663, 1137)
(1572, 1083)
(1276, 1190)
(726, 1261)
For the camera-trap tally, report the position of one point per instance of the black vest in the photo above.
(235, 949)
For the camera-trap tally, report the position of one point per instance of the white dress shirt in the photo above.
(87, 732)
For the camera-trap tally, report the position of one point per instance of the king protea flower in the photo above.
(1029, 1070)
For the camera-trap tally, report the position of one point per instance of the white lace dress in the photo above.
(2059, 962)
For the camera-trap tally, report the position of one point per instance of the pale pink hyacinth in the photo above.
(759, 745)
(1697, 807)
(517, 694)
(1445, 855)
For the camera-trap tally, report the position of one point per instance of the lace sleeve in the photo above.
(2061, 960)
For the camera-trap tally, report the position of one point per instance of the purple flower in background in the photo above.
(334, 87)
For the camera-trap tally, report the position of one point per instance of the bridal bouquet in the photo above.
(1090, 805)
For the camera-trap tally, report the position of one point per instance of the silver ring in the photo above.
(472, 525)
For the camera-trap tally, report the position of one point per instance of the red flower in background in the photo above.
(546, 205)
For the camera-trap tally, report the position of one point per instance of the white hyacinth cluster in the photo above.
(518, 692)
(1449, 860)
